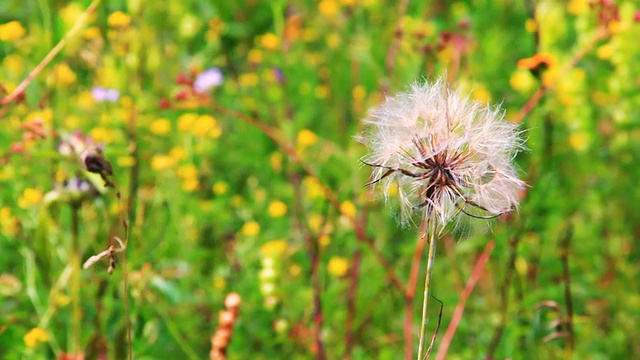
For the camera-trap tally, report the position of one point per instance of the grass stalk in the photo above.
(75, 260)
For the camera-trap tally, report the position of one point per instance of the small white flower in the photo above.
(447, 155)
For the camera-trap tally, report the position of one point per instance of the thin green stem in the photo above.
(431, 232)
(75, 280)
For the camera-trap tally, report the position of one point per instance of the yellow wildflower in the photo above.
(328, 8)
(277, 209)
(275, 159)
(14, 64)
(44, 115)
(118, 19)
(338, 266)
(70, 14)
(215, 132)
(190, 185)
(306, 138)
(204, 125)
(313, 188)
(333, 40)
(255, 56)
(186, 121)
(220, 187)
(188, 172)
(315, 221)
(358, 92)
(34, 336)
(10, 31)
(63, 75)
(178, 153)
(126, 161)
(248, 79)
(522, 80)
(481, 94)
(274, 248)
(8, 224)
(578, 7)
(295, 270)
(101, 134)
(531, 25)
(348, 208)
(605, 51)
(324, 240)
(160, 127)
(30, 197)
(162, 162)
(219, 283)
(270, 41)
(579, 141)
(250, 228)
(91, 33)
(237, 201)
(321, 91)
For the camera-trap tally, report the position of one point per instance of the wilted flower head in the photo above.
(447, 155)
(208, 79)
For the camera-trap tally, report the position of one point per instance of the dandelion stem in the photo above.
(411, 291)
(431, 232)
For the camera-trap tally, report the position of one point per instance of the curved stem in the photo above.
(52, 54)
(431, 232)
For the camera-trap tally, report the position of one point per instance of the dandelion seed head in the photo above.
(447, 155)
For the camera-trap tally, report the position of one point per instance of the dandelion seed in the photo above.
(447, 155)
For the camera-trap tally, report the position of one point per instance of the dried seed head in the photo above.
(447, 155)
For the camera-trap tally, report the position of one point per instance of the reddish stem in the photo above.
(476, 273)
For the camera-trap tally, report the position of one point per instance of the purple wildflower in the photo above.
(208, 79)
(101, 94)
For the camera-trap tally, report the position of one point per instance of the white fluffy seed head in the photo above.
(446, 154)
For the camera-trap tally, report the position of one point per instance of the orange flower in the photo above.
(537, 60)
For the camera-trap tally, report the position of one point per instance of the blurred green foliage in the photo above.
(216, 206)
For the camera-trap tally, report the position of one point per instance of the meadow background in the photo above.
(248, 181)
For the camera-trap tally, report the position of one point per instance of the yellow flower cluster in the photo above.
(34, 336)
(189, 176)
(199, 125)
